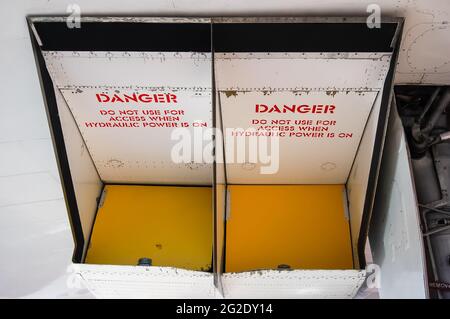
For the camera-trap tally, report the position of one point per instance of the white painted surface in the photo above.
(143, 282)
(141, 154)
(21, 189)
(359, 176)
(86, 181)
(23, 124)
(424, 57)
(36, 245)
(309, 156)
(299, 79)
(301, 71)
(310, 284)
(21, 157)
(138, 69)
(396, 238)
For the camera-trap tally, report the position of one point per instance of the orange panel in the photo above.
(303, 226)
(171, 225)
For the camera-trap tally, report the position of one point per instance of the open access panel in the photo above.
(303, 106)
(121, 92)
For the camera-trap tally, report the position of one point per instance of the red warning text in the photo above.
(136, 97)
(294, 108)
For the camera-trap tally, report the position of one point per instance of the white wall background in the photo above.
(35, 239)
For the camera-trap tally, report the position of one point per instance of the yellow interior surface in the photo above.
(171, 225)
(303, 226)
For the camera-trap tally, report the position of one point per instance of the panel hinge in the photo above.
(101, 200)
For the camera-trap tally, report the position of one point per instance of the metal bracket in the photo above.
(228, 204)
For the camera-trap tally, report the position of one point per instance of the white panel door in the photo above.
(318, 103)
(301, 71)
(128, 104)
(146, 69)
(128, 132)
(318, 135)
(395, 236)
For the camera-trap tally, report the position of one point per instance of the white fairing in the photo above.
(424, 58)
(395, 237)
(140, 153)
(141, 69)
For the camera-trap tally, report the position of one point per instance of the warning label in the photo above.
(143, 118)
(298, 128)
(318, 133)
(299, 120)
(138, 109)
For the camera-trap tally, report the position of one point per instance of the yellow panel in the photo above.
(171, 225)
(303, 226)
